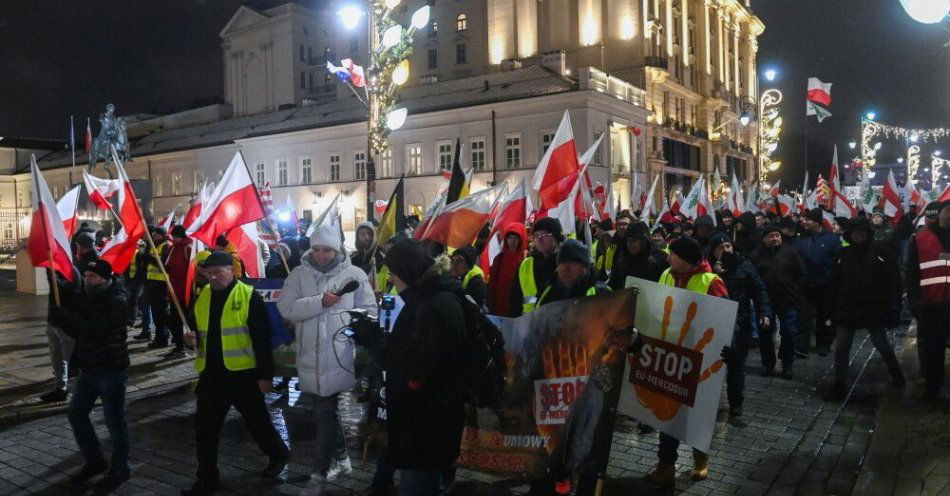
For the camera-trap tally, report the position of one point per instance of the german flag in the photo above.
(460, 183)
(394, 218)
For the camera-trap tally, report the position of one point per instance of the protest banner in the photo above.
(674, 382)
(565, 363)
(281, 336)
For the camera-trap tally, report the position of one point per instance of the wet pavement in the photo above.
(880, 440)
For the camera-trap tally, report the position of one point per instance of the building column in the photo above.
(735, 57)
(668, 24)
(684, 27)
(704, 29)
(720, 44)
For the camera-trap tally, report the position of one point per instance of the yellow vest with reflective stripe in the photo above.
(699, 283)
(529, 289)
(154, 272)
(475, 272)
(382, 281)
(591, 291)
(606, 261)
(237, 350)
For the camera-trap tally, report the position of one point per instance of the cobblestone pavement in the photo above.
(880, 440)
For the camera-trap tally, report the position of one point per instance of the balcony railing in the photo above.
(658, 62)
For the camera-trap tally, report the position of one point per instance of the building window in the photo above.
(176, 183)
(8, 230)
(282, 172)
(310, 55)
(303, 80)
(311, 80)
(359, 165)
(259, 175)
(461, 57)
(478, 154)
(513, 151)
(444, 152)
(334, 167)
(546, 140)
(433, 29)
(157, 184)
(306, 170)
(300, 54)
(415, 160)
(461, 22)
(386, 163)
(433, 58)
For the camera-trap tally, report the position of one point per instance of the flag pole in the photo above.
(49, 249)
(270, 228)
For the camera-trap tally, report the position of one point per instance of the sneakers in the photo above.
(277, 466)
(113, 479)
(175, 353)
(664, 475)
(202, 487)
(700, 466)
(88, 471)
(339, 468)
(54, 396)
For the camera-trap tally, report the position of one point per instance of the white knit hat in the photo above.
(328, 233)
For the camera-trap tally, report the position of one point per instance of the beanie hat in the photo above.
(771, 227)
(572, 250)
(716, 240)
(549, 225)
(469, 254)
(327, 234)
(408, 259)
(932, 209)
(85, 240)
(218, 259)
(688, 249)
(159, 230)
(605, 225)
(100, 267)
(815, 215)
(178, 231)
(878, 211)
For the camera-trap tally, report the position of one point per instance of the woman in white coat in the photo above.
(325, 355)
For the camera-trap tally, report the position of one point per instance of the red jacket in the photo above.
(717, 288)
(177, 257)
(504, 271)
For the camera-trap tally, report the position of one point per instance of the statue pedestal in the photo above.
(30, 279)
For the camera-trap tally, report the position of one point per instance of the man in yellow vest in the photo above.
(230, 325)
(156, 288)
(465, 268)
(537, 270)
(688, 271)
(602, 250)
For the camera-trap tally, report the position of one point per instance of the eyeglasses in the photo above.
(540, 236)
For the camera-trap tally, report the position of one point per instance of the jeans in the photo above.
(110, 386)
(419, 482)
(331, 442)
(787, 329)
(176, 327)
(138, 304)
(60, 349)
(158, 303)
(844, 337)
(932, 329)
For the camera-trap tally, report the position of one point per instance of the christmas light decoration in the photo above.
(927, 11)
(871, 129)
(770, 128)
(913, 162)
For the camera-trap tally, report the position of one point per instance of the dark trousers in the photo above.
(667, 452)
(176, 326)
(787, 324)
(933, 324)
(419, 482)
(158, 304)
(815, 321)
(214, 402)
(843, 339)
(383, 484)
(331, 443)
(110, 386)
(735, 368)
(138, 304)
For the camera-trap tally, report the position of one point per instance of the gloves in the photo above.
(725, 354)
(635, 346)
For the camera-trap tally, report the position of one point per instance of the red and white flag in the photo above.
(233, 203)
(100, 190)
(893, 205)
(819, 92)
(552, 179)
(246, 239)
(676, 207)
(48, 244)
(68, 211)
(664, 215)
(775, 189)
(357, 76)
(910, 194)
(267, 200)
(167, 221)
(122, 247)
(514, 209)
(828, 220)
(783, 205)
(648, 207)
(381, 206)
(706, 205)
(734, 202)
(458, 223)
(194, 210)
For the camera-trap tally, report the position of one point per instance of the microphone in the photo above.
(348, 288)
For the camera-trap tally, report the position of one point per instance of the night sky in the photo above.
(62, 57)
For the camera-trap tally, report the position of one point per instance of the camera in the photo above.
(363, 328)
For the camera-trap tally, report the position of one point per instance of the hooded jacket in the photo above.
(747, 238)
(504, 271)
(648, 264)
(701, 221)
(783, 272)
(361, 257)
(324, 357)
(819, 251)
(865, 282)
(177, 258)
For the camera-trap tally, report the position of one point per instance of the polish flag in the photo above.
(48, 245)
(775, 190)
(194, 210)
(893, 205)
(560, 161)
(910, 194)
(68, 211)
(734, 202)
(458, 223)
(945, 195)
(648, 207)
(819, 92)
(783, 205)
(122, 247)
(87, 143)
(843, 207)
(167, 221)
(246, 239)
(233, 203)
(676, 207)
(664, 215)
(513, 210)
(100, 190)
(706, 205)
(828, 220)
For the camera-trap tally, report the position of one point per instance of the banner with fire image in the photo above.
(674, 381)
(565, 364)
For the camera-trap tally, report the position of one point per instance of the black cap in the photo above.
(469, 254)
(771, 227)
(815, 215)
(178, 231)
(688, 249)
(409, 260)
(549, 225)
(85, 240)
(572, 250)
(100, 267)
(218, 259)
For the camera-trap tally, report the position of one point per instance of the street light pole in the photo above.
(372, 114)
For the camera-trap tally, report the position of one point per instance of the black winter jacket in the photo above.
(783, 272)
(745, 287)
(746, 239)
(649, 264)
(68, 293)
(865, 283)
(98, 324)
(424, 376)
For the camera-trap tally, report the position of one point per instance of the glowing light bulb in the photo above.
(420, 17)
(927, 11)
(396, 118)
(392, 35)
(401, 73)
(770, 74)
(350, 15)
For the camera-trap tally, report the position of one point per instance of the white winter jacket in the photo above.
(324, 355)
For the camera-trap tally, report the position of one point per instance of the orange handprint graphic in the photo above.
(566, 365)
(667, 375)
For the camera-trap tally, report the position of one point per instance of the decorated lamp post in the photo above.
(770, 127)
(390, 45)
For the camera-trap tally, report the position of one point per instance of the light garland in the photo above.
(937, 163)
(913, 163)
(874, 128)
(770, 127)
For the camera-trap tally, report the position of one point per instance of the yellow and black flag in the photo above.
(394, 218)
(460, 183)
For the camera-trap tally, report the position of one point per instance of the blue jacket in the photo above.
(819, 252)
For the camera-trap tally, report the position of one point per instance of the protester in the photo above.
(537, 270)
(138, 302)
(788, 228)
(659, 238)
(639, 258)
(278, 270)
(61, 344)
(746, 288)
(157, 288)
(221, 244)
(574, 276)
(602, 250)
(818, 249)
(465, 268)
(366, 247)
(928, 294)
(745, 237)
(727, 221)
(504, 269)
(424, 371)
(703, 230)
(864, 283)
(235, 367)
(85, 250)
(687, 270)
(783, 272)
(98, 324)
(760, 219)
(177, 259)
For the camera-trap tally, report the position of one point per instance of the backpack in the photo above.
(485, 367)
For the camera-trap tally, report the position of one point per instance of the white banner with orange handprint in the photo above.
(674, 383)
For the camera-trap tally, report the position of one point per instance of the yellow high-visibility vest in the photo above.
(475, 272)
(237, 349)
(699, 283)
(606, 261)
(591, 291)
(529, 290)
